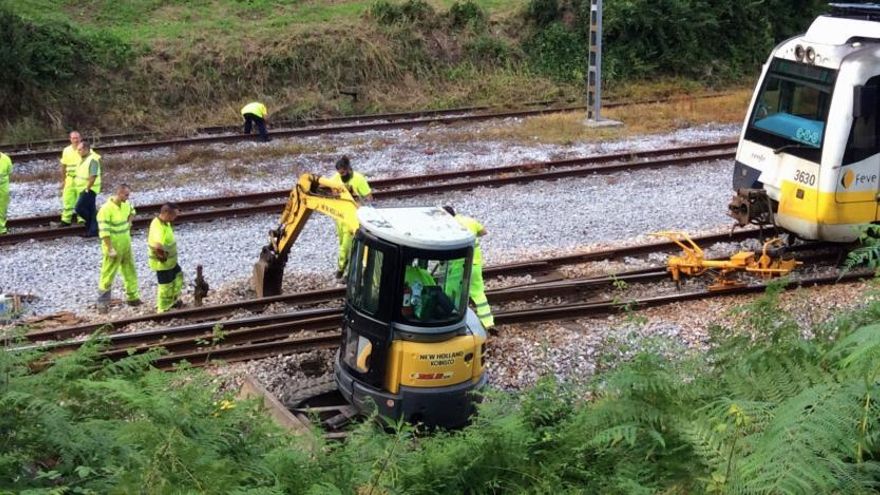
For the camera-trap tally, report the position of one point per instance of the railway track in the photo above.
(266, 336)
(213, 313)
(211, 208)
(261, 336)
(116, 143)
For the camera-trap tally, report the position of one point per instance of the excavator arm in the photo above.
(311, 193)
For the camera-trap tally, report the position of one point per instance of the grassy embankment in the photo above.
(174, 65)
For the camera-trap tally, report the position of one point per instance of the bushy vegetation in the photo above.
(42, 62)
(111, 65)
(770, 409)
(701, 39)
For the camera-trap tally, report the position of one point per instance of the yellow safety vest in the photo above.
(113, 222)
(83, 172)
(5, 170)
(163, 234)
(70, 159)
(475, 227)
(357, 183)
(255, 108)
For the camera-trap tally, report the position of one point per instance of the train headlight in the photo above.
(799, 53)
(811, 55)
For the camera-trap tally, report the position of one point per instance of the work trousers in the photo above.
(86, 209)
(249, 119)
(345, 241)
(476, 291)
(68, 200)
(170, 285)
(478, 296)
(4, 207)
(122, 262)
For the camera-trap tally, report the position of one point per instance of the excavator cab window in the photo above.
(433, 290)
(365, 278)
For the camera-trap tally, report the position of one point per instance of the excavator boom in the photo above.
(311, 193)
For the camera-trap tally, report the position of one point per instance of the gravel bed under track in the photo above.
(574, 350)
(520, 219)
(375, 153)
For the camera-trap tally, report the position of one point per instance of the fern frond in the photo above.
(805, 447)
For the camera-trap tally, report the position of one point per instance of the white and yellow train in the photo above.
(809, 155)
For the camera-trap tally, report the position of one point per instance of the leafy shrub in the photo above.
(543, 12)
(413, 12)
(489, 49)
(558, 52)
(39, 60)
(466, 14)
(766, 410)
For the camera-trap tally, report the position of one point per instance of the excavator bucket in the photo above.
(268, 273)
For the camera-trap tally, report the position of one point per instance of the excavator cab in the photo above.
(411, 348)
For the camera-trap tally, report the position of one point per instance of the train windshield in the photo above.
(792, 108)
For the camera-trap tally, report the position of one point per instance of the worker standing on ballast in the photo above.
(476, 291)
(114, 221)
(360, 189)
(163, 258)
(5, 174)
(70, 160)
(88, 186)
(255, 113)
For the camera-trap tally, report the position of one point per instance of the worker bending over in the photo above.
(114, 222)
(255, 113)
(70, 160)
(163, 258)
(360, 189)
(477, 291)
(88, 186)
(5, 174)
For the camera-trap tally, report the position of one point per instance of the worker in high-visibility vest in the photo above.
(477, 290)
(114, 225)
(70, 159)
(255, 113)
(162, 258)
(5, 173)
(88, 185)
(360, 189)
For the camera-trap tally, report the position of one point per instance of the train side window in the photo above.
(863, 137)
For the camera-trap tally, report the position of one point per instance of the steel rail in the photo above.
(214, 312)
(257, 197)
(202, 340)
(288, 344)
(22, 152)
(553, 170)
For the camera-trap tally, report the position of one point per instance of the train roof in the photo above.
(846, 22)
(429, 228)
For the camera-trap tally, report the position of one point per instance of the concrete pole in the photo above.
(594, 63)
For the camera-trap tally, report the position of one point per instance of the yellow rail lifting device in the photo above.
(693, 263)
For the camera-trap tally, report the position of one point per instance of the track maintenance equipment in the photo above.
(693, 263)
(808, 159)
(411, 348)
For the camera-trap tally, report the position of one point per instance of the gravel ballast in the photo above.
(541, 216)
(376, 154)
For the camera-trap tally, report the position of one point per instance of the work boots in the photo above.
(103, 302)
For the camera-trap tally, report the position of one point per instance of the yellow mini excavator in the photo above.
(411, 347)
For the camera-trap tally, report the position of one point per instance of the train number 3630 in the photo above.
(805, 178)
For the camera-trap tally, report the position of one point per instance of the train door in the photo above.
(859, 175)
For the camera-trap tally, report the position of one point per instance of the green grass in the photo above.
(154, 21)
